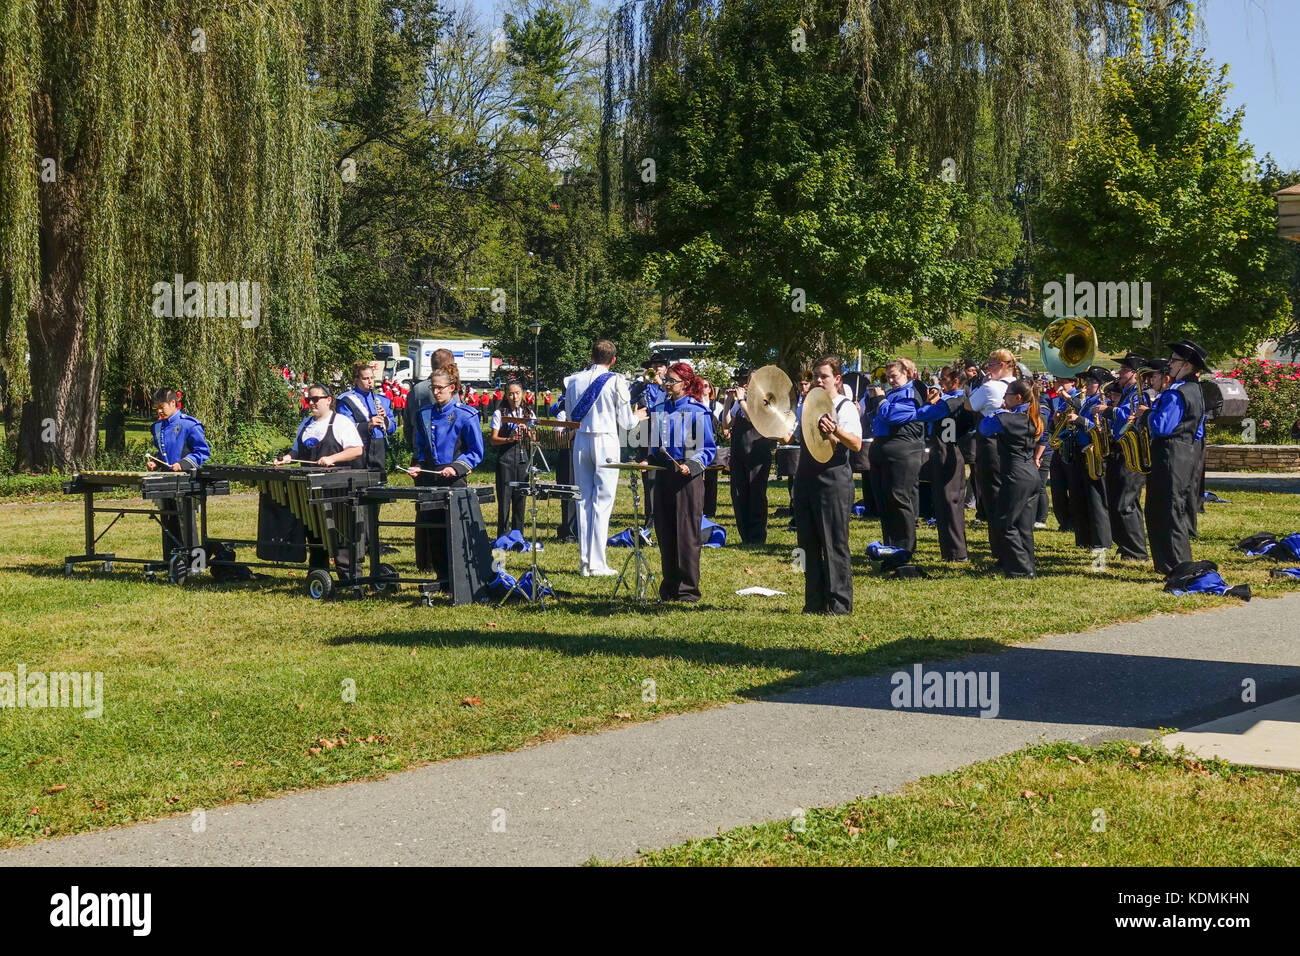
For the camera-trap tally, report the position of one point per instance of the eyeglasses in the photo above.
(674, 381)
(439, 388)
(318, 398)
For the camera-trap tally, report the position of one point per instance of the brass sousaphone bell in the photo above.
(1068, 346)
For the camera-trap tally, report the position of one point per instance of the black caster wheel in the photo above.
(106, 566)
(67, 569)
(383, 586)
(319, 585)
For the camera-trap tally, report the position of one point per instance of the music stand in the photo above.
(644, 575)
(540, 582)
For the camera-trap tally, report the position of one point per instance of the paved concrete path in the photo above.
(1267, 736)
(655, 784)
(1283, 481)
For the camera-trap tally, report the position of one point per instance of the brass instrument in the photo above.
(1094, 456)
(1068, 346)
(880, 375)
(1135, 439)
(1056, 439)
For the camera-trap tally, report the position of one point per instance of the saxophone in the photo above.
(1056, 440)
(1135, 440)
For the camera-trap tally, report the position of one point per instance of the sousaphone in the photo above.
(768, 402)
(816, 403)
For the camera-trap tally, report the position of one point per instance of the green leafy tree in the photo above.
(778, 213)
(1163, 189)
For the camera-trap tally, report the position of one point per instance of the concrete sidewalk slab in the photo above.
(655, 784)
(1267, 737)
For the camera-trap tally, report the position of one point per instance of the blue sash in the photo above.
(589, 397)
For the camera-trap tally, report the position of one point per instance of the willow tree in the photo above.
(145, 139)
(947, 70)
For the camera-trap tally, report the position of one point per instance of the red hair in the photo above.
(694, 384)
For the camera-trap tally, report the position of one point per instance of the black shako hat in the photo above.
(1097, 374)
(1191, 352)
(1135, 362)
(1158, 365)
(651, 363)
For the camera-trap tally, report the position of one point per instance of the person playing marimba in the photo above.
(448, 446)
(182, 446)
(512, 461)
(328, 439)
(683, 441)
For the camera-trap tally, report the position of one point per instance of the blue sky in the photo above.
(1260, 40)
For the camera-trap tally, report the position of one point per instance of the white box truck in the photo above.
(473, 359)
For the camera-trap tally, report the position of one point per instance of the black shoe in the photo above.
(388, 549)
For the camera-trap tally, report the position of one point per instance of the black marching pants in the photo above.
(751, 460)
(1088, 504)
(568, 527)
(1044, 473)
(988, 479)
(895, 471)
(511, 466)
(948, 484)
(678, 510)
(1124, 497)
(1014, 512)
(1169, 525)
(1059, 479)
(823, 500)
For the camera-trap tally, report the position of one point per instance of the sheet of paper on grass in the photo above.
(765, 592)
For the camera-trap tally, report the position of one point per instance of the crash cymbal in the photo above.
(816, 403)
(768, 402)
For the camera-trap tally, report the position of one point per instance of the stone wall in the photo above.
(1252, 457)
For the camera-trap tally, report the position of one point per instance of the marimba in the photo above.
(468, 550)
(322, 504)
(174, 493)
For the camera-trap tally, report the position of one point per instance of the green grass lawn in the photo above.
(216, 693)
(1121, 804)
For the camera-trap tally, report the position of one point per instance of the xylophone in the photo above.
(319, 499)
(468, 551)
(172, 491)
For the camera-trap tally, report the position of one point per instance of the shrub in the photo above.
(1273, 390)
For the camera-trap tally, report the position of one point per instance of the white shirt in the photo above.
(847, 416)
(497, 417)
(345, 432)
(987, 399)
(612, 409)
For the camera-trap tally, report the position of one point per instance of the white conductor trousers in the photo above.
(598, 486)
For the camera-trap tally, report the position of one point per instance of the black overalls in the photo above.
(823, 500)
(948, 482)
(318, 556)
(1124, 498)
(1171, 484)
(1019, 485)
(512, 465)
(751, 459)
(896, 461)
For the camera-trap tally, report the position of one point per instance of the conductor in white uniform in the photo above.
(599, 399)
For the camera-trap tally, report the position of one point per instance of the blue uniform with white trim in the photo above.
(684, 432)
(180, 440)
(449, 434)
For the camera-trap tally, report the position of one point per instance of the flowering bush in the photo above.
(1274, 392)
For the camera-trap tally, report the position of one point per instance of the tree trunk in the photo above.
(60, 423)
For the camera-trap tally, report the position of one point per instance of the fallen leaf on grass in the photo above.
(1029, 794)
(56, 788)
(313, 750)
(790, 838)
(472, 702)
(854, 831)
(34, 811)
(214, 713)
(1134, 752)
(1073, 759)
(99, 805)
(413, 652)
(622, 715)
(300, 706)
(237, 763)
(173, 799)
(948, 802)
(491, 623)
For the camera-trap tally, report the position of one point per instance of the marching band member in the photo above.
(181, 443)
(751, 459)
(1043, 455)
(567, 530)
(512, 463)
(328, 439)
(823, 500)
(1088, 495)
(1124, 487)
(1174, 420)
(1059, 468)
(373, 416)
(448, 446)
(897, 451)
(709, 398)
(599, 399)
(986, 399)
(948, 480)
(648, 393)
(1017, 429)
(683, 440)
(421, 396)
